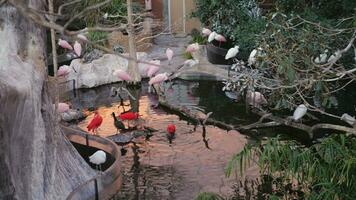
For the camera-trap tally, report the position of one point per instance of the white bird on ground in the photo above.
(77, 48)
(169, 54)
(252, 57)
(322, 57)
(348, 119)
(98, 158)
(299, 112)
(255, 99)
(232, 52)
(212, 36)
(206, 32)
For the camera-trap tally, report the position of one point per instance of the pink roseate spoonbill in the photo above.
(63, 70)
(77, 48)
(153, 69)
(121, 74)
(64, 44)
(98, 158)
(212, 36)
(82, 37)
(299, 112)
(206, 32)
(62, 107)
(232, 52)
(220, 39)
(95, 123)
(192, 48)
(255, 99)
(169, 54)
(159, 78)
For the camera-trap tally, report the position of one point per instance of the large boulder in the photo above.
(100, 71)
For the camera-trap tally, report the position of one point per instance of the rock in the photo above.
(71, 115)
(92, 55)
(100, 71)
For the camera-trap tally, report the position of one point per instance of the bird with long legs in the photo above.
(118, 123)
(95, 123)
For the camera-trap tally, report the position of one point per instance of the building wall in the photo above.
(181, 20)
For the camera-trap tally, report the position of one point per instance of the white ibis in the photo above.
(322, 57)
(252, 57)
(121, 74)
(106, 15)
(255, 99)
(192, 48)
(82, 37)
(299, 112)
(77, 48)
(62, 107)
(169, 54)
(98, 158)
(232, 52)
(212, 36)
(64, 44)
(335, 56)
(206, 32)
(63, 70)
(348, 119)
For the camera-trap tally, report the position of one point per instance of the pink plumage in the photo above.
(121, 74)
(64, 44)
(152, 69)
(82, 37)
(159, 78)
(220, 38)
(169, 54)
(62, 107)
(192, 48)
(206, 31)
(77, 48)
(63, 70)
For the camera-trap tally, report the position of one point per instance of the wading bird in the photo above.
(95, 123)
(206, 32)
(348, 119)
(255, 99)
(232, 52)
(129, 116)
(192, 48)
(252, 57)
(299, 112)
(64, 44)
(63, 70)
(117, 123)
(77, 48)
(98, 158)
(82, 37)
(220, 39)
(171, 131)
(322, 57)
(153, 69)
(169, 54)
(121, 74)
(62, 107)
(212, 36)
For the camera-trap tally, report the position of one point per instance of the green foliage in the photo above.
(237, 20)
(208, 196)
(97, 36)
(326, 170)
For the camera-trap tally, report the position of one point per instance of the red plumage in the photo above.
(129, 116)
(171, 128)
(95, 122)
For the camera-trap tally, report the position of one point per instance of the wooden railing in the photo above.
(105, 184)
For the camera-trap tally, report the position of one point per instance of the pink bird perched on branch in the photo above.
(121, 74)
(62, 107)
(206, 32)
(153, 69)
(77, 48)
(64, 44)
(159, 78)
(63, 70)
(192, 48)
(169, 54)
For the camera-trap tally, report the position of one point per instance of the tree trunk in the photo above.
(36, 160)
(133, 67)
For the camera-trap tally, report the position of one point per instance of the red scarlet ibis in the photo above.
(169, 54)
(232, 52)
(159, 78)
(82, 37)
(212, 36)
(63, 70)
(62, 107)
(192, 48)
(121, 74)
(95, 123)
(255, 99)
(206, 32)
(77, 48)
(129, 116)
(171, 130)
(299, 112)
(98, 158)
(64, 44)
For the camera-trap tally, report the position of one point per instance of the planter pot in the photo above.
(216, 55)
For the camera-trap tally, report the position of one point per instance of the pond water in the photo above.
(155, 169)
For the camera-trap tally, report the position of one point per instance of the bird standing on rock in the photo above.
(95, 123)
(98, 158)
(77, 48)
(169, 54)
(117, 123)
(171, 130)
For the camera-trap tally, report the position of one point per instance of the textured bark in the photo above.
(36, 160)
